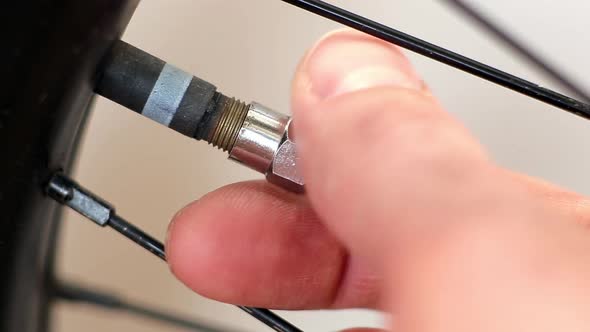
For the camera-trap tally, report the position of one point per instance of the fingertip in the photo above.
(201, 227)
(250, 244)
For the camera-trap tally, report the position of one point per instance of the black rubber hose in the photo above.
(130, 76)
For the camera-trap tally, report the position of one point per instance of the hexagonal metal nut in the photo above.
(284, 171)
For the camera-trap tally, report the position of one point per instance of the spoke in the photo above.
(156, 247)
(494, 29)
(67, 192)
(442, 55)
(77, 294)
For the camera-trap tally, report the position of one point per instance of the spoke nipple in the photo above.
(60, 188)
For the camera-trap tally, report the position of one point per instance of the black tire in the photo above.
(50, 53)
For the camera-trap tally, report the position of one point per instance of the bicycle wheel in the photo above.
(48, 104)
(49, 54)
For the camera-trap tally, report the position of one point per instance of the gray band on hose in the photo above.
(167, 94)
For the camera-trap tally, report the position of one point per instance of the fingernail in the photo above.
(347, 61)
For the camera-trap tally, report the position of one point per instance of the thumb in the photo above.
(374, 143)
(463, 246)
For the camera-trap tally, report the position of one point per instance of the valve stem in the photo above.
(225, 132)
(252, 134)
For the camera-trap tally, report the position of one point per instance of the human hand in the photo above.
(404, 212)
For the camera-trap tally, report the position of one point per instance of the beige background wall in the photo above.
(250, 49)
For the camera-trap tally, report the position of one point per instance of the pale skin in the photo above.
(405, 212)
